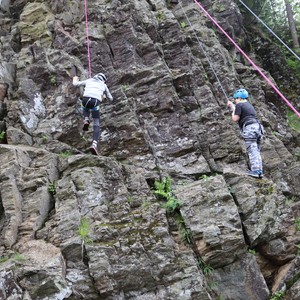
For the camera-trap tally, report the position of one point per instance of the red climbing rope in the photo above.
(87, 37)
(251, 62)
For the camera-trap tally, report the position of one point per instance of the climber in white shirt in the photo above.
(95, 89)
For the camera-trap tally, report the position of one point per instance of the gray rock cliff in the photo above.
(76, 226)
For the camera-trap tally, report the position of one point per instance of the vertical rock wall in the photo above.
(76, 226)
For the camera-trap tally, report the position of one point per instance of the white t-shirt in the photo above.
(94, 88)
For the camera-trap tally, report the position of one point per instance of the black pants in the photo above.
(92, 104)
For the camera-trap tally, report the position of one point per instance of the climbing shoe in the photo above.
(86, 125)
(93, 148)
(256, 173)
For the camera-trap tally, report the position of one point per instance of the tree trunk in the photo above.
(292, 25)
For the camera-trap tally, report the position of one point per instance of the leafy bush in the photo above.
(163, 190)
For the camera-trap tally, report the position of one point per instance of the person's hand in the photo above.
(229, 103)
(75, 78)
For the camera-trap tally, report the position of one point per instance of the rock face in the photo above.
(76, 226)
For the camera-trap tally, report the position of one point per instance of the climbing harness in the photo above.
(87, 37)
(248, 58)
(202, 48)
(90, 103)
(261, 21)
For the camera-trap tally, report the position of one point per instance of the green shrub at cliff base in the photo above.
(293, 121)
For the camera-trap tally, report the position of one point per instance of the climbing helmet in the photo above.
(240, 93)
(100, 76)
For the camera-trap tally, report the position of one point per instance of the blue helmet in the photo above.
(241, 93)
(101, 77)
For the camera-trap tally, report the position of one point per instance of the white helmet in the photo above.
(100, 76)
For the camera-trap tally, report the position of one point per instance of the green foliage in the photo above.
(84, 139)
(84, 230)
(213, 285)
(65, 154)
(297, 154)
(294, 64)
(206, 269)
(2, 136)
(185, 233)
(52, 188)
(297, 222)
(230, 189)
(53, 80)
(293, 121)
(204, 177)
(252, 251)
(163, 189)
(172, 204)
(221, 8)
(205, 76)
(160, 16)
(146, 204)
(125, 87)
(3, 259)
(292, 199)
(18, 257)
(44, 138)
(271, 13)
(292, 281)
(278, 295)
(183, 24)
(274, 14)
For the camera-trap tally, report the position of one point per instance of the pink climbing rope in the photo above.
(87, 37)
(248, 58)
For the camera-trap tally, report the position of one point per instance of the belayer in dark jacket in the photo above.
(251, 129)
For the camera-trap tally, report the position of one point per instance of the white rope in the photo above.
(202, 47)
(270, 29)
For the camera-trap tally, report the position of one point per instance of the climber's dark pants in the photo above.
(92, 105)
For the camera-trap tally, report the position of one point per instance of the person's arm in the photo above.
(76, 81)
(234, 117)
(108, 94)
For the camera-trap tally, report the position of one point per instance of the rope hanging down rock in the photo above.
(248, 58)
(87, 37)
(205, 52)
